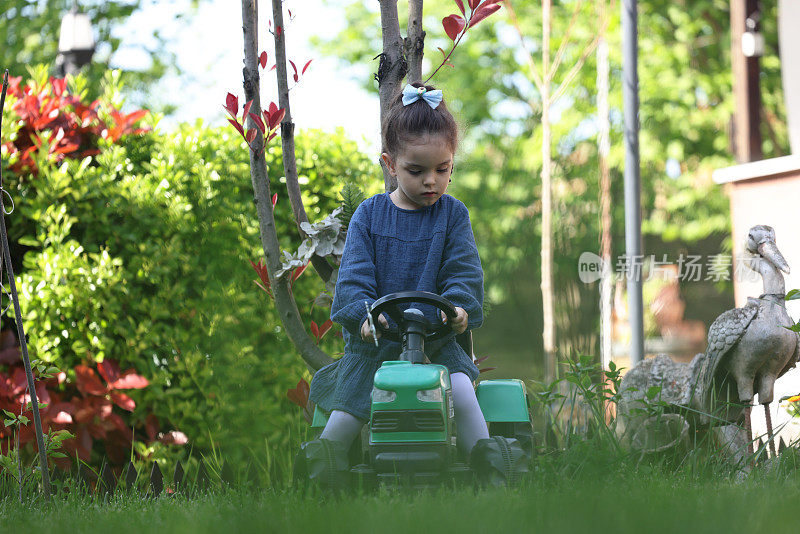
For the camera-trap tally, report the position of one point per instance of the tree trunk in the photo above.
(321, 265)
(549, 95)
(603, 149)
(284, 300)
(391, 69)
(414, 43)
(548, 332)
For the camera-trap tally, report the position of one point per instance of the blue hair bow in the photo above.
(411, 94)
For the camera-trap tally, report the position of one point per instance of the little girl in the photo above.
(415, 238)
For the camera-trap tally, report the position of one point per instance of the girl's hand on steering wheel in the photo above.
(366, 334)
(460, 320)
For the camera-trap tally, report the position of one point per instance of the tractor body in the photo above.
(410, 439)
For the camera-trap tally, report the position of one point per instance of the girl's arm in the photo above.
(461, 275)
(356, 281)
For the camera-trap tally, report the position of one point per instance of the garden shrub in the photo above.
(141, 254)
(48, 124)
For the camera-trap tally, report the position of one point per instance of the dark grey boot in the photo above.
(322, 463)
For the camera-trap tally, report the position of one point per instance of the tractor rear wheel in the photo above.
(522, 432)
(499, 461)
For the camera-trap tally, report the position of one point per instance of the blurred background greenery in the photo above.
(168, 216)
(686, 106)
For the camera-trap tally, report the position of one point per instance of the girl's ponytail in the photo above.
(409, 123)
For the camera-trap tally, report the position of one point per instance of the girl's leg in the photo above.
(470, 424)
(342, 427)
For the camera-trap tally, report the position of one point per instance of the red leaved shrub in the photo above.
(53, 117)
(84, 406)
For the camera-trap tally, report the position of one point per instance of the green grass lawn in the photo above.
(580, 482)
(642, 499)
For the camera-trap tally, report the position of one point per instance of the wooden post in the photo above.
(548, 306)
(747, 94)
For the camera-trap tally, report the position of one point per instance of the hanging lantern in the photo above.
(75, 42)
(752, 39)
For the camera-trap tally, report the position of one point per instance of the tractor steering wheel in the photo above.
(389, 304)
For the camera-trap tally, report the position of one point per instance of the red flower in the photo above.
(174, 437)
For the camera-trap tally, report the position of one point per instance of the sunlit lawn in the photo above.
(639, 500)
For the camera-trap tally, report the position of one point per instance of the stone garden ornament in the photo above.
(748, 349)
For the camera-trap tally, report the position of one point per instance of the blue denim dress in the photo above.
(390, 249)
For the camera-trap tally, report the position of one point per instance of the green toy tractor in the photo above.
(410, 439)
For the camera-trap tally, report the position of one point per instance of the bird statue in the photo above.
(750, 347)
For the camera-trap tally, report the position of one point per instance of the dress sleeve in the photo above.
(461, 275)
(356, 281)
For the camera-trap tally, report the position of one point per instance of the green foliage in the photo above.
(351, 196)
(12, 419)
(575, 408)
(686, 103)
(578, 430)
(11, 464)
(141, 255)
(53, 442)
(75, 298)
(629, 500)
(793, 406)
(29, 33)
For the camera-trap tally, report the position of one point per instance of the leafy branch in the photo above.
(278, 287)
(456, 26)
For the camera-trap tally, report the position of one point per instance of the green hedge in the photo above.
(141, 254)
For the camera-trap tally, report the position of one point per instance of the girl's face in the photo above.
(422, 170)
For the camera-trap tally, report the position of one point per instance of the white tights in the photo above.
(470, 424)
(341, 427)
